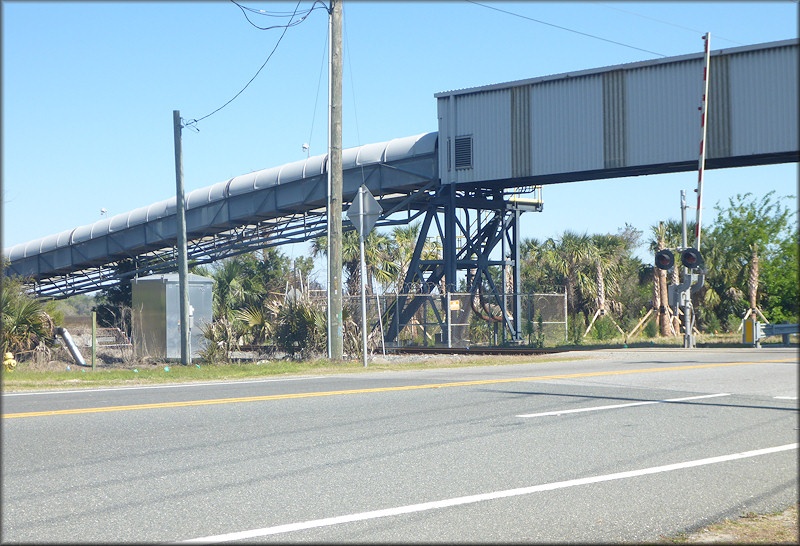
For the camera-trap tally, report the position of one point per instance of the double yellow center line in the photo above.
(373, 390)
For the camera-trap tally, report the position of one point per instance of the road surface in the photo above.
(604, 446)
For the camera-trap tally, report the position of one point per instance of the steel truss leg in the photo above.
(494, 221)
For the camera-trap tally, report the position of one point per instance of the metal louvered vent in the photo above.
(464, 152)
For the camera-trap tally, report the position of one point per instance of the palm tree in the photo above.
(569, 256)
(608, 253)
(660, 279)
(752, 287)
(404, 240)
(752, 281)
(376, 253)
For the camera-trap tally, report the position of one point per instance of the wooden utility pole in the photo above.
(335, 334)
(183, 268)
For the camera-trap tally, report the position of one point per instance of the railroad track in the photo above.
(472, 350)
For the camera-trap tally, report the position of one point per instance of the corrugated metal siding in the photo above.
(639, 117)
(521, 131)
(487, 118)
(567, 119)
(764, 95)
(614, 135)
(718, 111)
(662, 117)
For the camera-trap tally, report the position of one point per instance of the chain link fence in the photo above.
(471, 320)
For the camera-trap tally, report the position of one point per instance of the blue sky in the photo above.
(89, 89)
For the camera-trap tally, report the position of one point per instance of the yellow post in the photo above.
(750, 332)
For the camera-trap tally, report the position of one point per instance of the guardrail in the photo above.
(754, 332)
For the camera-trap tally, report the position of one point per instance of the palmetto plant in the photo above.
(257, 323)
(299, 326)
(25, 324)
(229, 293)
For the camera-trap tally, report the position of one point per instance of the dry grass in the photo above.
(750, 528)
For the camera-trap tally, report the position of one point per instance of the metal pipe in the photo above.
(94, 338)
(71, 347)
(363, 265)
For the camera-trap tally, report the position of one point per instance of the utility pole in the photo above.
(183, 269)
(335, 334)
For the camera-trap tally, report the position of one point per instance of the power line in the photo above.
(319, 82)
(347, 51)
(245, 9)
(272, 13)
(564, 28)
(716, 36)
(193, 122)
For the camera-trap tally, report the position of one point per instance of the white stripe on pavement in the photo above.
(434, 505)
(616, 406)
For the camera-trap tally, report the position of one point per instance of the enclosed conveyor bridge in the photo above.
(285, 204)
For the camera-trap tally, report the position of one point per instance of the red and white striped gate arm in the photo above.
(703, 125)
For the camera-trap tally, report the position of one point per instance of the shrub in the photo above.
(604, 329)
(299, 326)
(651, 328)
(26, 325)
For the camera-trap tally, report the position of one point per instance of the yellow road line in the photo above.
(373, 390)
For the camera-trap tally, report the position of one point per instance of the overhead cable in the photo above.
(564, 28)
(716, 36)
(245, 9)
(319, 82)
(273, 13)
(193, 122)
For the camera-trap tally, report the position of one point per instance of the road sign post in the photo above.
(363, 214)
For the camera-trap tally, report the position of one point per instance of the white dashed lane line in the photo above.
(617, 406)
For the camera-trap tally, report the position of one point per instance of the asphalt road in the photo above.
(619, 446)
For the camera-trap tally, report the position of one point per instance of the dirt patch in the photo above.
(750, 528)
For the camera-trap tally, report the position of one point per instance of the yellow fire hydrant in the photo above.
(8, 362)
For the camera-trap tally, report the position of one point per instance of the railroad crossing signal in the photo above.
(690, 259)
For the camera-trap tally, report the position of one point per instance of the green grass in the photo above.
(148, 374)
(79, 376)
(27, 377)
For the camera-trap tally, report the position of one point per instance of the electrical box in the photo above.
(156, 317)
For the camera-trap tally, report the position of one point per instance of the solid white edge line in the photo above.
(616, 406)
(411, 508)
